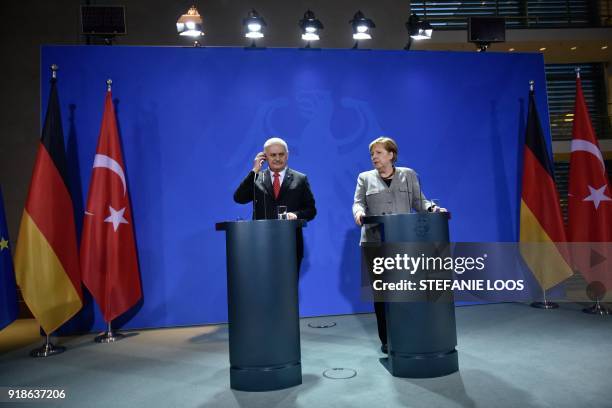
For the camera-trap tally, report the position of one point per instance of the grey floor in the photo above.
(510, 355)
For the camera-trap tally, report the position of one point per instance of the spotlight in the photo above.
(361, 27)
(310, 26)
(254, 25)
(417, 29)
(190, 24)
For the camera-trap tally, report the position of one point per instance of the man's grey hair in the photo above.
(276, 140)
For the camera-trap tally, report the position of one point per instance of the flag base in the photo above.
(47, 350)
(545, 305)
(109, 336)
(322, 325)
(597, 309)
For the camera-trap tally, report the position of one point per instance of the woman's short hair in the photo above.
(388, 144)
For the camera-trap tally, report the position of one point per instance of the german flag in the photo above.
(46, 257)
(542, 235)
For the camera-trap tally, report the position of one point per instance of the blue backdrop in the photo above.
(192, 119)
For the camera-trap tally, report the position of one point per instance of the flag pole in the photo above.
(47, 349)
(596, 291)
(109, 336)
(545, 303)
(98, 277)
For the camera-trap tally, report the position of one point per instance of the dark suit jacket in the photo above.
(295, 193)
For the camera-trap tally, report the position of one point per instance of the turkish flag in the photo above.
(108, 251)
(589, 200)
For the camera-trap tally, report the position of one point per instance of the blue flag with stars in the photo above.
(8, 288)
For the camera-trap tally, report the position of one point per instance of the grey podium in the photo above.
(421, 335)
(262, 296)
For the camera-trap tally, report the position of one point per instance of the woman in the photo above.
(386, 190)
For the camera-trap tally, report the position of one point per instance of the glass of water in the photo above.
(435, 202)
(282, 212)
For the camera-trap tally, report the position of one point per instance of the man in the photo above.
(277, 186)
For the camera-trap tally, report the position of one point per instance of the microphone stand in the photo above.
(421, 205)
(263, 181)
(255, 195)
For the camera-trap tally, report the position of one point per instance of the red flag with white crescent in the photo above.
(108, 251)
(590, 199)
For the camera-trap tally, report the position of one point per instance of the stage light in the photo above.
(254, 26)
(190, 24)
(310, 27)
(418, 29)
(361, 27)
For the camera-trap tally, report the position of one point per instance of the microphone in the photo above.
(421, 207)
(422, 200)
(263, 181)
(255, 196)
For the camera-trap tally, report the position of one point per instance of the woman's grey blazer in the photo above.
(373, 197)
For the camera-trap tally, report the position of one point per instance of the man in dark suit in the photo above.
(277, 186)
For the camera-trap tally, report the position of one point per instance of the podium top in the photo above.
(411, 227)
(380, 219)
(223, 226)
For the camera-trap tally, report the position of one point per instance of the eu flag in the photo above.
(8, 289)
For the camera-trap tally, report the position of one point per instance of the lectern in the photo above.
(421, 335)
(262, 295)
